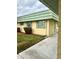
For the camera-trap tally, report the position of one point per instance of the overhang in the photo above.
(51, 4)
(42, 15)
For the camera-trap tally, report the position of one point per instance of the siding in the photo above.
(46, 14)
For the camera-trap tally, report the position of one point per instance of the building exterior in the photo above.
(42, 23)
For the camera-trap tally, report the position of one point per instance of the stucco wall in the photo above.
(22, 27)
(48, 30)
(39, 31)
(51, 27)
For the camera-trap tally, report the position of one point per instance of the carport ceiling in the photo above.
(52, 4)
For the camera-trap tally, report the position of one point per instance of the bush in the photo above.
(18, 29)
(28, 30)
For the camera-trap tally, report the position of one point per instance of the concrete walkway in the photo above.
(45, 49)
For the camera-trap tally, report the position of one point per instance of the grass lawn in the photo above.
(25, 41)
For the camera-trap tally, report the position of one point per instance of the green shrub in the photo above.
(28, 30)
(18, 29)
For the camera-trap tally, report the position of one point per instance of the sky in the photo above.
(25, 7)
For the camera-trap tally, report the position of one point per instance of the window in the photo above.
(29, 24)
(40, 24)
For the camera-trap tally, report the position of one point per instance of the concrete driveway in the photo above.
(45, 49)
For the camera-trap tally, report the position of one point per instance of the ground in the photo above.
(45, 49)
(25, 41)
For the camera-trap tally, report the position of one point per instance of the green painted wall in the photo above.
(51, 27)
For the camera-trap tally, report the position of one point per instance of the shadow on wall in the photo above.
(27, 30)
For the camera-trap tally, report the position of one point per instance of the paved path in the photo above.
(45, 49)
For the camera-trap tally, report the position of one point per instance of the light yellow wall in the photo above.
(51, 27)
(38, 31)
(48, 30)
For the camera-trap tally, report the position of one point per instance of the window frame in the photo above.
(38, 25)
(27, 23)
